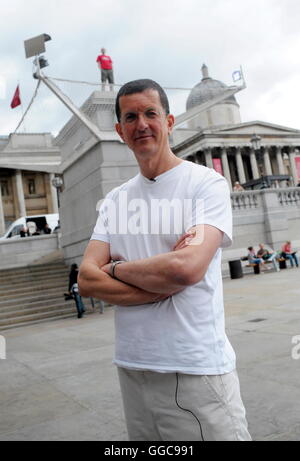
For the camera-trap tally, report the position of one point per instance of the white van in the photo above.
(39, 220)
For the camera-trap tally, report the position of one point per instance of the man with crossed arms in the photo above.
(176, 366)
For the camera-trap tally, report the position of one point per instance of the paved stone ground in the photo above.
(58, 382)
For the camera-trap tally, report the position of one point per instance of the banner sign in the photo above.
(297, 160)
(217, 163)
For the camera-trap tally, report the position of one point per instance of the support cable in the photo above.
(115, 84)
(29, 106)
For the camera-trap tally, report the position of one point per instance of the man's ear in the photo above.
(171, 121)
(119, 130)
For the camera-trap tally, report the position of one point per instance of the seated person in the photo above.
(290, 254)
(253, 259)
(47, 229)
(267, 255)
(238, 187)
(31, 227)
(24, 232)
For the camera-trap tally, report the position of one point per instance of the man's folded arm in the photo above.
(92, 281)
(175, 270)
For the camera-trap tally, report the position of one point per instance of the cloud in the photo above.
(167, 41)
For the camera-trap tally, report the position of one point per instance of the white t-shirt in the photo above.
(186, 332)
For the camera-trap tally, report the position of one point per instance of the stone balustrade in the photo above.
(289, 197)
(271, 216)
(248, 200)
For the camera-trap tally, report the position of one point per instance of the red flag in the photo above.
(16, 100)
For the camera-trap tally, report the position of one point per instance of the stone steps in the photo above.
(31, 271)
(33, 310)
(34, 294)
(39, 281)
(8, 307)
(32, 320)
(50, 295)
(38, 288)
(19, 295)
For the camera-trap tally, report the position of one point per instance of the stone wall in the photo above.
(23, 251)
(88, 180)
(269, 216)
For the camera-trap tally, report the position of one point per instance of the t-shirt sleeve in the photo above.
(212, 205)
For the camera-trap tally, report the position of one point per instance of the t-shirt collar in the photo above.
(163, 176)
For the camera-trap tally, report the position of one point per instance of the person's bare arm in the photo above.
(173, 271)
(92, 281)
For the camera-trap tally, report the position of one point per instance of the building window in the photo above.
(4, 189)
(31, 187)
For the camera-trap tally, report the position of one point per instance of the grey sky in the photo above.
(165, 40)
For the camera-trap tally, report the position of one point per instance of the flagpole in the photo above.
(24, 127)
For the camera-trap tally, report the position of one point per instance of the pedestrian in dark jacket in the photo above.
(73, 289)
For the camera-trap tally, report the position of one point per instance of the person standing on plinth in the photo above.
(106, 66)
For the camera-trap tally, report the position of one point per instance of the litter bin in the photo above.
(282, 263)
(256, 269)
(235, 268)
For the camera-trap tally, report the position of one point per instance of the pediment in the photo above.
(259, 128)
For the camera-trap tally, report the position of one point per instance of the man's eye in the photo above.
(130, 117)
(151, 114)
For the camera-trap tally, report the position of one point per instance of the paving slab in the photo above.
(58, 381)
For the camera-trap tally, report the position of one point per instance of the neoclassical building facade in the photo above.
(90, 168)
(27, 162)
(218, 139)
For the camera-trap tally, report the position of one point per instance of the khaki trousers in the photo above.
(175, 406)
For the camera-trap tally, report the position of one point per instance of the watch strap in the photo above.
(112, 269)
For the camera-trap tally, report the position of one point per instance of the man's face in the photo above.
(144, 125)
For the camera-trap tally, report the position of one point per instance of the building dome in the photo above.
(225, 112)
(207, 89)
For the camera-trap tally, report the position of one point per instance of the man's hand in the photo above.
(185, 239)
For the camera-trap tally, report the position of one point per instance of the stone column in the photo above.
(2, 220)
(280, 160)
(254, 165)
(226, 169)
(240, 166)
(20, 193)
(292, 156)
(267, 162)
(53, 194)
(208, 158)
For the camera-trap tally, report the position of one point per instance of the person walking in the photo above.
(73, 290)
(105, 65)
(176, 367)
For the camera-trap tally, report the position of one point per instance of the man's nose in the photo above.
(141, 122)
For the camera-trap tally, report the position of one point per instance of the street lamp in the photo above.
(58, 182)
(256, 145)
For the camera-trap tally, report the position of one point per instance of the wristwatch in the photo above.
(112, 268)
